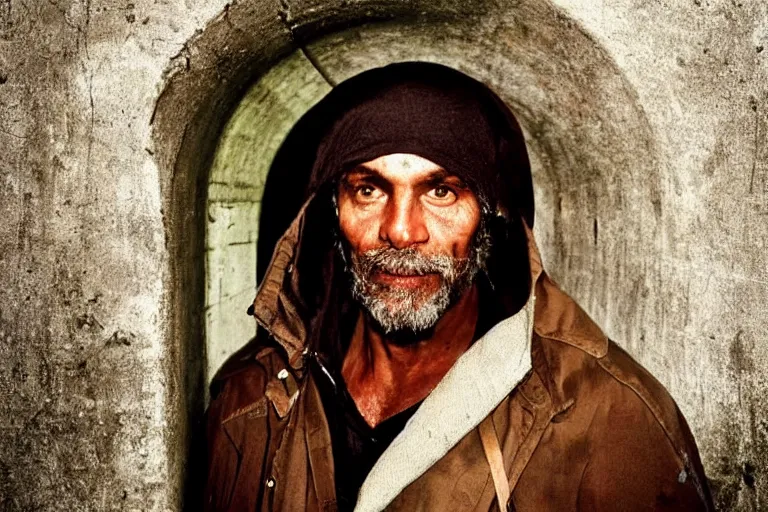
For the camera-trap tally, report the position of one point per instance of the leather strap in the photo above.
(495, 460)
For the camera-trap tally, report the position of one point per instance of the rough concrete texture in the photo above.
(84, 386)
(646, 124)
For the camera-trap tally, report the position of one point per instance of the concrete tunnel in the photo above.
(650, 211)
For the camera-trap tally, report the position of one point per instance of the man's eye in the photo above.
(367, 192)
(442, 194)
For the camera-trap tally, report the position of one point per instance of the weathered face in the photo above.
(410, 230)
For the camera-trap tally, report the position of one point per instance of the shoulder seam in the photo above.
(677, 450)
(255, 358)
(680, 452)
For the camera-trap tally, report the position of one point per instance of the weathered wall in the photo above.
(84, 381)
(646, 124)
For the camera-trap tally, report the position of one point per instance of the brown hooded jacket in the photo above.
(582, 426)
(542, 412)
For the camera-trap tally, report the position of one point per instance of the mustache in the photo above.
(406, 262)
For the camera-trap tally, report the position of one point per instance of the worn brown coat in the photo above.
(587, 429)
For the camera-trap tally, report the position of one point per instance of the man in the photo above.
(415, 355)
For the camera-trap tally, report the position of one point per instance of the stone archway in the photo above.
(242, 82)
(587, 163)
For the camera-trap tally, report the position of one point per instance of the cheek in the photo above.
(453, 230)
(358, 226)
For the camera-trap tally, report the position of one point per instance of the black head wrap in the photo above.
(437, 113)
(426, 109)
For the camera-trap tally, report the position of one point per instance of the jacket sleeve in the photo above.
(633, 465)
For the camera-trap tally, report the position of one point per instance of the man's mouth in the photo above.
(409, 281)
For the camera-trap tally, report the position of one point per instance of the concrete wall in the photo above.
(646, 124)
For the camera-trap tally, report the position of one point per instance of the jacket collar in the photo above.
(277, 307)
(557, 315)
(475, 385)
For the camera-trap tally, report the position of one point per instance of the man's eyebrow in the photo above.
(360, 171)
(441, 176)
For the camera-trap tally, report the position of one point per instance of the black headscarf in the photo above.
(437, 113)
(426, 109)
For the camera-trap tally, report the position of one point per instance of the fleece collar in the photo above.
(479, 380)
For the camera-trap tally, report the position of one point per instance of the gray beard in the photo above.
(408, 311)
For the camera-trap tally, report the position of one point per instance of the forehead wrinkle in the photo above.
(402, 171)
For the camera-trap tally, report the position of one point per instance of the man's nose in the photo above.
(403, 223)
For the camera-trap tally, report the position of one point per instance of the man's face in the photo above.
(410, 230)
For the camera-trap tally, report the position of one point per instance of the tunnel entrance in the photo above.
(236, 186)
(240, 86)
